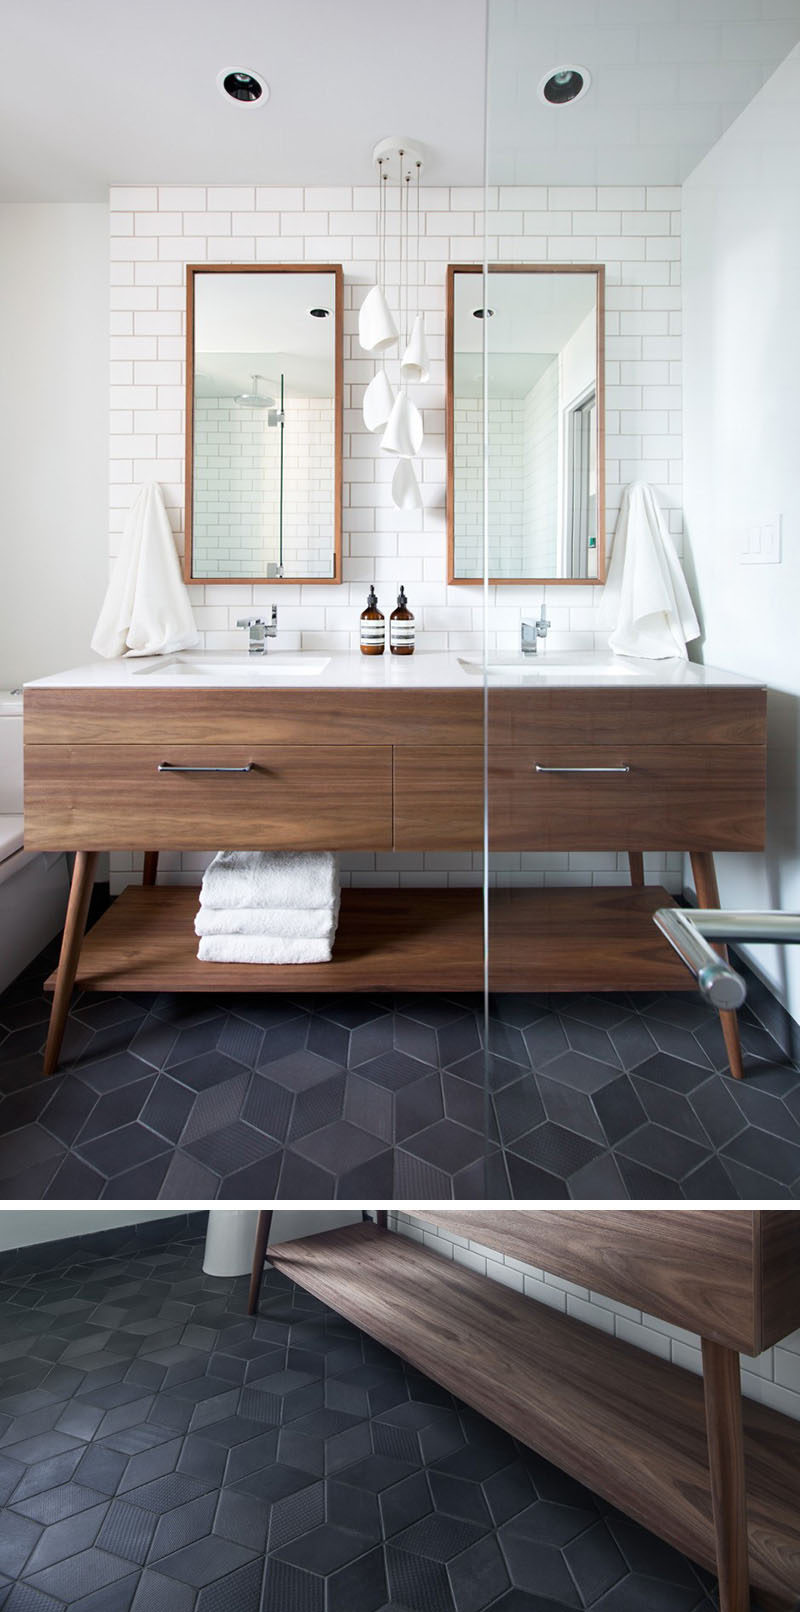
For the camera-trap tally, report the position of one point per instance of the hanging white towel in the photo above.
(262, 949)
(645, 601)
(286, 923)
(146, 610)
(271, 879)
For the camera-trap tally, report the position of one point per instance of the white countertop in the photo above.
(194, 670)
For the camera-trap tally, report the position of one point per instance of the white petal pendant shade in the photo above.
(405, 487)
(376, 327)
(403, 434)
(378, 401)
(414, 362)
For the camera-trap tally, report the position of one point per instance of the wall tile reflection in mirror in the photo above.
(263, 466)
(544, 422)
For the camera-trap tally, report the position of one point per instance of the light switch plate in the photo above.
(761, 544)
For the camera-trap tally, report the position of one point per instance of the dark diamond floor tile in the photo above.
(584, 1074)
(665, 1151)
(574, 1109)
(153, 1095)
(79, 1575)
(770, 1155)
(555, 1149)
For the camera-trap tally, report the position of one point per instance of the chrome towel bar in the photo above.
(537, 768)
(690, 931)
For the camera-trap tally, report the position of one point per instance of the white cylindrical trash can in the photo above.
(230, 1238)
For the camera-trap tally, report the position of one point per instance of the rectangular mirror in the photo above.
(263, 423)
(544, 371)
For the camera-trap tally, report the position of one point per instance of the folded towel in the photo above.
(262, 949)
(645, 601)
(146, 608)
(271, 879)
(284, 923)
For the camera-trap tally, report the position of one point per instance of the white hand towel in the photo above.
(286, 923)
(146, 609)
(271, 879)
(261, 949)
(645, 601)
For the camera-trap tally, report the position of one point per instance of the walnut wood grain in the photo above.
(438, 797)
(263, 1228)
(723, 1405)
(78, 906)
(705, 878)
(626, 1423)
(253, 716)
(702, 1271)
(672, 797)
(778, 1260)
(562, 716)
(416, 940)
(113, 795)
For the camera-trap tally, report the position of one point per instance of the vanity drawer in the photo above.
(310, 797)
(438, 798)
(627, 797)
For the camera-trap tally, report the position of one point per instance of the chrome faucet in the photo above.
(260, 631)
(531, 632)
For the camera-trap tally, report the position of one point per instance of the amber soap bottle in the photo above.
(373, 627)
(402, 630)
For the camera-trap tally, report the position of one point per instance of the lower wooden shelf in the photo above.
(626, 1423)
(409, 940)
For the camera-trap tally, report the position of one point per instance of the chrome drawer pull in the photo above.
(174, 766)
(537, 768)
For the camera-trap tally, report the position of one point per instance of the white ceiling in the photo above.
(668, 77)
(96, 92)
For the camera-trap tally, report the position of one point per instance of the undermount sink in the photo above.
(542, 666)
(240, 667)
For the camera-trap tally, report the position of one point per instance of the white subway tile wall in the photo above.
(157, 230)
(772, 1378)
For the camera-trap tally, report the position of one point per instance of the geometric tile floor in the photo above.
(385, 1098)
(160, 1452)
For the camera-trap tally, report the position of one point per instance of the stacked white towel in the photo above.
(269, 907)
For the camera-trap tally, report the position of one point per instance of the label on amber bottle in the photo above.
(373, 632)
(401, 634)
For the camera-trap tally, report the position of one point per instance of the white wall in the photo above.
(19, 1228)
(53, 434)
(742, 384)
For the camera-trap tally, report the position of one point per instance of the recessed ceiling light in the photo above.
(248, 89)
(483, 313)
(320, 313)
(564, 84)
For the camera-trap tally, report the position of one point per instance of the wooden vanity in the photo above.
(388, 767)
(715, 1475)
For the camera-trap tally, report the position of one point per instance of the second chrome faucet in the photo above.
(260, 631)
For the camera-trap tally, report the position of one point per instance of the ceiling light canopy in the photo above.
(563, 85)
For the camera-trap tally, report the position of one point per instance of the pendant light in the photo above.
(377, 330)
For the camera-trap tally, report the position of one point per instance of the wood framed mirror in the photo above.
(264, 422)
(543, 326)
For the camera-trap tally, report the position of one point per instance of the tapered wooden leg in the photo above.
(150, 867)
(723, 1399)
(382, 1219)
(705, 879)
(78, 906)
(263, 1229)
(636, 865)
